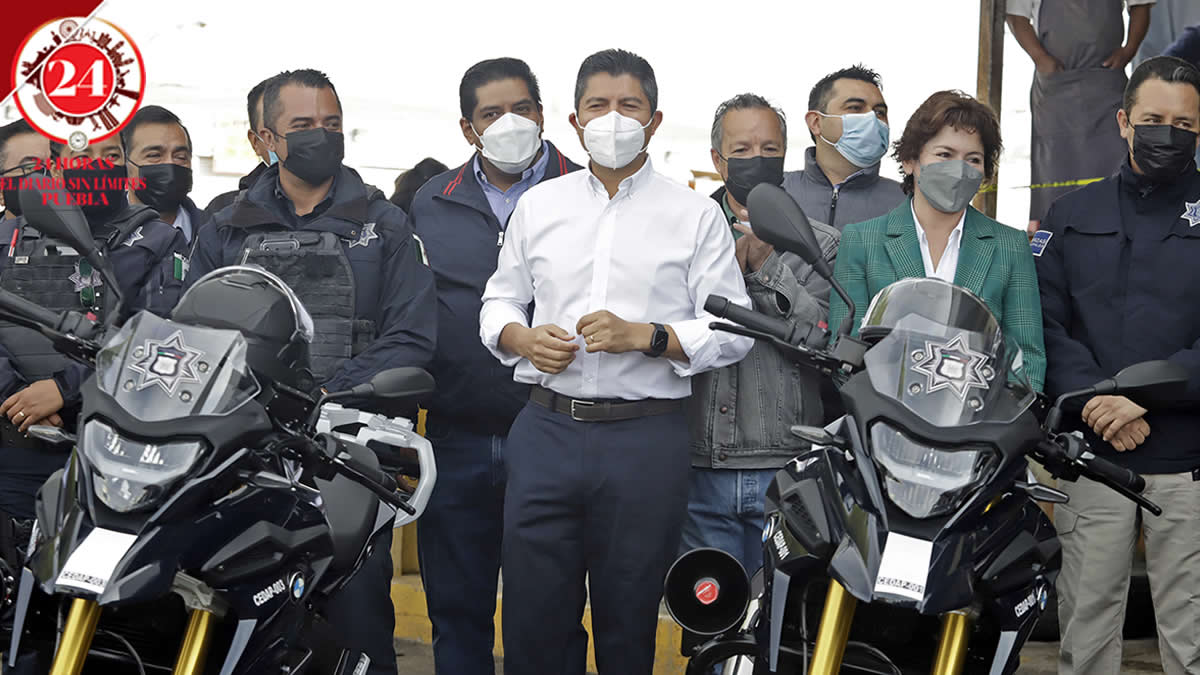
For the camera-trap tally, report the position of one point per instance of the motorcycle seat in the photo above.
(350, 510)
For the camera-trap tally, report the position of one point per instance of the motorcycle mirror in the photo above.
(50, 212)
(1152, 382)
(778, 220)
(51, 434)
(402, 383)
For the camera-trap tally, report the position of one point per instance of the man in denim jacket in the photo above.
(740, 416)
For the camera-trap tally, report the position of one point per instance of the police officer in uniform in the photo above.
(1119, 285)
(351, 257)
(41, 386)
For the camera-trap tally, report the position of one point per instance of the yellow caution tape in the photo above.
(1040, 186)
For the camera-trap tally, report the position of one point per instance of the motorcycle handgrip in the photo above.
(20, 307)
(1103, 470)
(384, 484)
(721, 307)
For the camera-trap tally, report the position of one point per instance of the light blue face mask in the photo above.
(864, 138)
(271, 153)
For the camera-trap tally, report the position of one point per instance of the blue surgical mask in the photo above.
(864, 138)
(274, 159)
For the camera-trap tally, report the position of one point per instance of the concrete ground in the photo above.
(1039, 658)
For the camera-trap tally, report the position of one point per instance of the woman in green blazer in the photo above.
(949, 145)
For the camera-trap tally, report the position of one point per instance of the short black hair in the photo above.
(492, 70)
(304, 77)
(10, 131)
(1165, 68)
(743, 102)
(410, 181)
(822, 91)
(617, 62)
(151, 114)
(254, 100)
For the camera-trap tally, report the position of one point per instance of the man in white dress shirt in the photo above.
(616, 263)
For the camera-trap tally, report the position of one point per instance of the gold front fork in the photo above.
(952, 649)
(834, 631)
(195, 644)
(76, 637)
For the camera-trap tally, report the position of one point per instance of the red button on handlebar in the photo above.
(707, 590)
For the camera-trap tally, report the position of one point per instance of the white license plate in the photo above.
(92, 563)
(904, 568)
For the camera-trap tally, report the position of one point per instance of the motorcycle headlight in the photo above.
(925, 481)
(129, 475)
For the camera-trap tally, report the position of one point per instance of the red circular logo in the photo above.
(707, 591)
(78, 81)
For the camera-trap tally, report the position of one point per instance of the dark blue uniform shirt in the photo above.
(393, 287)
(1120, 284)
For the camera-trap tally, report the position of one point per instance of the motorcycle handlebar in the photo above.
(1104, 471)
(21, 308)
(372, 478)
(720, 306)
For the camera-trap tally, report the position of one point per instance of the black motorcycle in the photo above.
(205, 514)
(917, 508)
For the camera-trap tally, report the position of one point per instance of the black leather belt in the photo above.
(582, 410)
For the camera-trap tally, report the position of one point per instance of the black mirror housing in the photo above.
(1150, 384)
(402, 383)
(780, 222)
(49, 211)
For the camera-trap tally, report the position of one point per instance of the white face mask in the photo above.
(511, 142)
(614, 140)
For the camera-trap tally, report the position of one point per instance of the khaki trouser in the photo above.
(1099, 529)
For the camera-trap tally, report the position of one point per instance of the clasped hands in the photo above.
(550, 348)
(1119, 421)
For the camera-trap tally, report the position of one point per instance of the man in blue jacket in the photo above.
(1116, 264)
(351, 257)
(461, 215)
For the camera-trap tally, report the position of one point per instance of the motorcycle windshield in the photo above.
(948, 374)
(159, 370)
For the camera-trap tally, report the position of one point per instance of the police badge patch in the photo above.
(954, 366)
(135, 237)
(366, 236)
(82, 282)
(167, 363)
(1192, 213)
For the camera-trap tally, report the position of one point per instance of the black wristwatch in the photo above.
(658, 341)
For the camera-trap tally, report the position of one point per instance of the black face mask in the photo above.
(165, 186)
(103, 188)
(12, 195)
(1162, 151)
(747, 172)
(314, 155)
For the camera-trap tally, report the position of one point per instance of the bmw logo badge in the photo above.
(1043, 598)
(297, 586)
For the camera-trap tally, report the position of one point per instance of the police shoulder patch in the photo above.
(135, 237)
(1040, 240)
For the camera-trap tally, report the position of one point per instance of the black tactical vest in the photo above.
(55, 276)
(315, 266)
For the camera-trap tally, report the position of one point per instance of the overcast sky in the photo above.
(397, 67)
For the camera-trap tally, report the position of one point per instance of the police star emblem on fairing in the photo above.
(366, 237)
(167, 363)
(1192, 213)
(954, 366)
